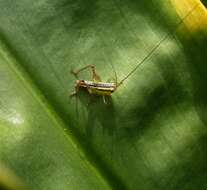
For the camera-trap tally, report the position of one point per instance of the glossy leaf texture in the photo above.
(152, 132)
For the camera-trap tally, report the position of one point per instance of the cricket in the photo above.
(97, 87)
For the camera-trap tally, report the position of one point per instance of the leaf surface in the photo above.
(152, 132)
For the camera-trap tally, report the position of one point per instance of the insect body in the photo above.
(99, 88)
(107, 88)
(95, 86)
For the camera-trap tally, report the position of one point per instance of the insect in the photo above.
(95, 86)
(107, 88)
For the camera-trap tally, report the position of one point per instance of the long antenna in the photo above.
(157, 46)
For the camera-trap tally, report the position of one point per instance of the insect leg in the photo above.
(104, 99)
(75, 92)
(95, 76)
(116, 78)
(111, 80)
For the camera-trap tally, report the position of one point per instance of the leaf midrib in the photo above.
(32, 88)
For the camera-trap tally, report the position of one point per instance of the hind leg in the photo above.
(95, 76)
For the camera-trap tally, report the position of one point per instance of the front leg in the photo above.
(75, 92)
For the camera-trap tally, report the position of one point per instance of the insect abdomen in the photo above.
(98, 91)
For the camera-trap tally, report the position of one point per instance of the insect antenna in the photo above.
(156, 47)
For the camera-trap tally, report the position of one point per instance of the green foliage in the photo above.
(151, 134)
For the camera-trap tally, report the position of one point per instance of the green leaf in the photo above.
(150, 135)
